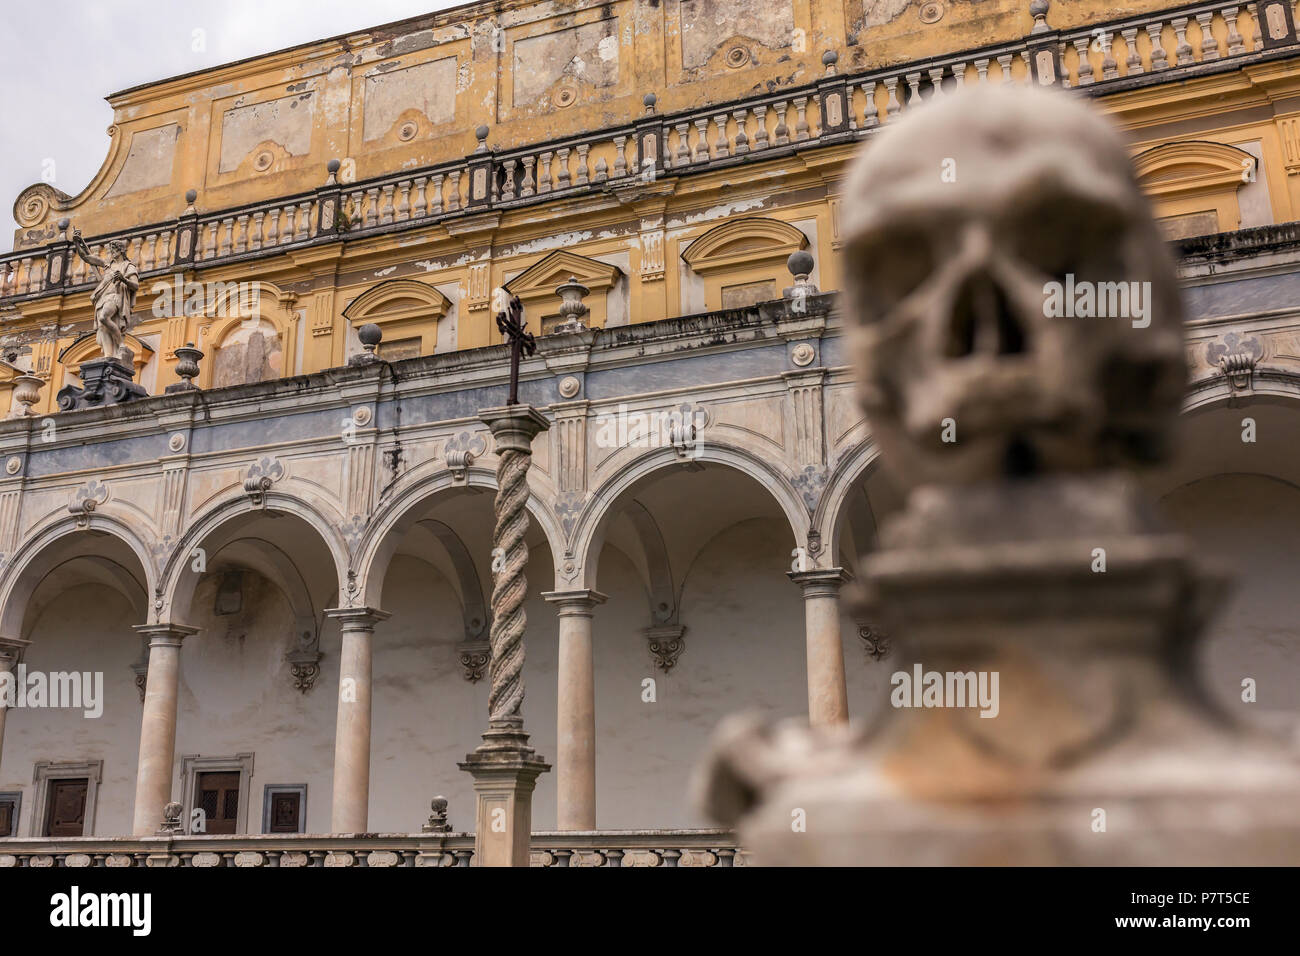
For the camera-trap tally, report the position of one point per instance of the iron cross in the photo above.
(510, 323)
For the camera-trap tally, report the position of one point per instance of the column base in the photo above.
(505, 770)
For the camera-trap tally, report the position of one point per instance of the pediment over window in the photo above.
(1193, 167)
(408, 312)
(743, 242)
(86, 347)
(1193, 186)
(541, 278)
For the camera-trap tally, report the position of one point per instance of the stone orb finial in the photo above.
(800, 263)
(370, 335)
(63, 223)
(971, 364)
(332, 166)
(650, 100)
(829, 59)
(481, 134)
(191, 195)
(1038, 10)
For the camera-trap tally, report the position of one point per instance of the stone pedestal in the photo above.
(505, 770)
(105, 381)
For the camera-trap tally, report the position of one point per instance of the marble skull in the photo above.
(1014, 308)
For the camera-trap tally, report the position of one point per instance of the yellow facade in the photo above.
(1217, 149)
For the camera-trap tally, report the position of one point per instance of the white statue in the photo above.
(114, 296)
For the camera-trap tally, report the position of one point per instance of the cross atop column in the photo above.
(510, 323)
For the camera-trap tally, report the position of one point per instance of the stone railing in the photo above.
(1106, 57)
(597, 848)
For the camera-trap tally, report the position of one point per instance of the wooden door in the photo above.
(66, 814)
(218, 796)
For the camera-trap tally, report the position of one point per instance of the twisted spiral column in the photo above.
(510, 587)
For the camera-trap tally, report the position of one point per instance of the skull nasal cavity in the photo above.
(983, 321)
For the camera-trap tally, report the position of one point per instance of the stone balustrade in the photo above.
(1104, 58)
(691, 848)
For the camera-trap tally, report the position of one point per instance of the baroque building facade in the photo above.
(659, 184)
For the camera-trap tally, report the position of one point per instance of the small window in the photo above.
(218, 798)
(9, 806)
(65, 814)
(284, 808)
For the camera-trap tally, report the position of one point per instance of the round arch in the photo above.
(403, 510)
(221, 523)
(46, 551)
(592, 523)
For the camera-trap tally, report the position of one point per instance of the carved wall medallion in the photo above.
(363, 415)
(803, 354)
(13, 464)
(569, 386)
(176, 442)
(931, 12)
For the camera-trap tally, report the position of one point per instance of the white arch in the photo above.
(179, 579)
(588, 534)
(402, 511)
(39, 555)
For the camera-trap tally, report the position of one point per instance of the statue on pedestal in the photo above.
(114, 296)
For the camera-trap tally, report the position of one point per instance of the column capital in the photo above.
(580, 601)
(514, 427)
(357, 618)
(165, 634)
(822, 582)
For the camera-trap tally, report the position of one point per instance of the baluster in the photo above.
(255, 237)
(435, 194)
(1133, 63)
(146, 251)
(453, 185)
(1004, 64)
(272, 226)
(583, 175)
(544, 177)
(403, 201)
(892, 105)
(386, 205)
(227, 229)
(286, 225)
(22, 275)
(870, 112)
(720, 148)
(1209, 45)
(372, 207)
(508, 182)
(241, 233)
(914, 85)
(1159, 60)
(420, 206)
(1183, 49)
(1085, 65)
(741, 117)
(620, 154)
(801, 118)
(1235, 43)
(1258, 24)
(602, 170)
(529, 184)
(1029, 70)
(702, 140)
(1109, 68)
(761, 126)
(982, 68)
(959, 75)
(936, 82)
(562, 168)
(133, 248)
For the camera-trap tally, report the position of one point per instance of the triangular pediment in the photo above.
(542, 277)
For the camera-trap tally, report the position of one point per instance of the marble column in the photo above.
(11, 650)
(351, 809)
(575, 759)
(153, 781)
(828, 698)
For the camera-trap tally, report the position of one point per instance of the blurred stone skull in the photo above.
(990, 236)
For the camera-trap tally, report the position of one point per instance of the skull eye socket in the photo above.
(1089, 248)
(893, 267)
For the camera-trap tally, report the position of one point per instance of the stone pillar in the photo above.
(153, 781)
(828, 697)
(575, 758)
(504, 767)
(351, 806)
(11, 649)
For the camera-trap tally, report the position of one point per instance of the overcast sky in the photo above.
(63, 57)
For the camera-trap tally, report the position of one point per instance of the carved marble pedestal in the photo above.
(105, 381)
